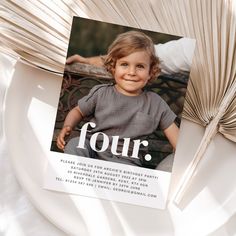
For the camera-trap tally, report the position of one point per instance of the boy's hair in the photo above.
(130, 42)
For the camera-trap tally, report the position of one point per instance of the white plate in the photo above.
(29, 117)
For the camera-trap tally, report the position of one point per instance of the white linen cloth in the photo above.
(18, 217)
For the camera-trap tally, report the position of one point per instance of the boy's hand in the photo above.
(66, 130)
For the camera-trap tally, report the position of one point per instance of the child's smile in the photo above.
(132, 73)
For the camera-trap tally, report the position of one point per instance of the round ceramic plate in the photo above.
(30, 110)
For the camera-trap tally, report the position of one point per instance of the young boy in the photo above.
(122, 109)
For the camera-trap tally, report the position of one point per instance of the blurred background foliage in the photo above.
(90, 37)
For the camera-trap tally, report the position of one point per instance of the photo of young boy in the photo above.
(123, 109)
(121, 115)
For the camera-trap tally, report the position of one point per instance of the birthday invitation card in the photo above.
(119, 113)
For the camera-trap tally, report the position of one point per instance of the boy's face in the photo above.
(131, 73)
